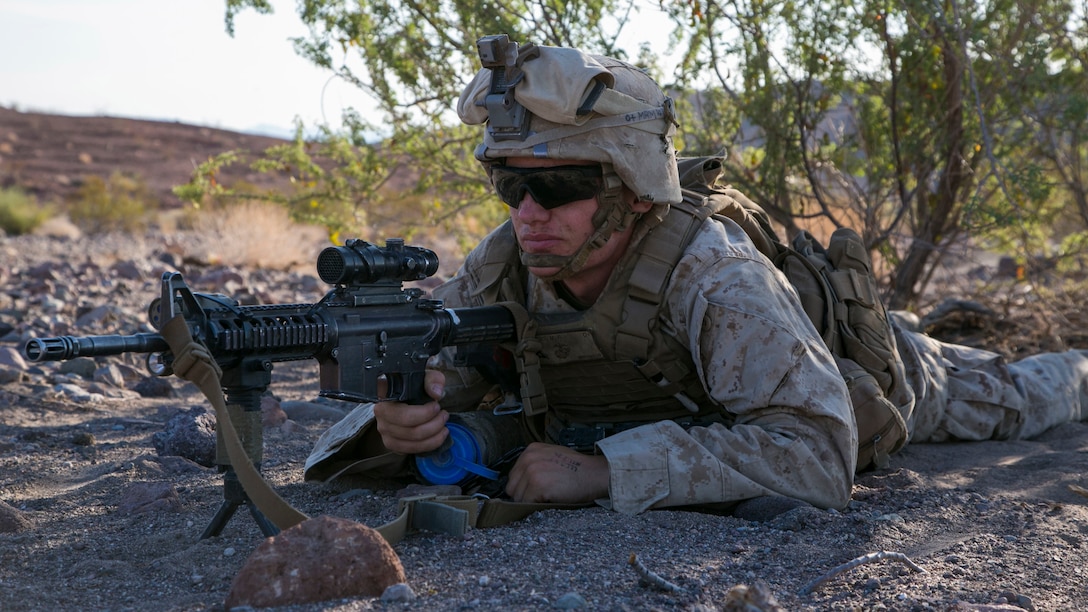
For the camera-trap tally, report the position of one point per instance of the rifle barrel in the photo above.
(69, 347)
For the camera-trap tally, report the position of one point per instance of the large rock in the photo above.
(188, 434)
(319, 559)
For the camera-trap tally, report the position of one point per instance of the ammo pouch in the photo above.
(881, 428)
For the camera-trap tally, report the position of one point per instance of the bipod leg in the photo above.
(242, 388)
(234, 495)
(267, 528)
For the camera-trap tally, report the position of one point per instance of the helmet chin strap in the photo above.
(612, 215)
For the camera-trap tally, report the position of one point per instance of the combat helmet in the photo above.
(562, 103)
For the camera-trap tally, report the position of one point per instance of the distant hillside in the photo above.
(50, 155)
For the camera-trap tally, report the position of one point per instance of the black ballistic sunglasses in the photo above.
(551, 187)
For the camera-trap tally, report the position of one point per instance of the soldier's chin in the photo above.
(545, 265)
(545, 273)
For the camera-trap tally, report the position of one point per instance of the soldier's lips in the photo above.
(541, 245)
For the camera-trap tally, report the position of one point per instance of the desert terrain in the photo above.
(94, 517)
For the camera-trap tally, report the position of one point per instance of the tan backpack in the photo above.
(839, 294)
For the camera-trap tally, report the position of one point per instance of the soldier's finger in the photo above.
(418, 439)
(403, 427)
(515, 483)
(417, 425)
(383, 386)
(434, 383)
(415, 447)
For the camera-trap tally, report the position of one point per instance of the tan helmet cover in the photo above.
(629, 125)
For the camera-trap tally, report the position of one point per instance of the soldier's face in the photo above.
(558, 229)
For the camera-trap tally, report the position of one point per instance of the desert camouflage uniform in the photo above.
(787, 426)
(789, 429)
(964, 393)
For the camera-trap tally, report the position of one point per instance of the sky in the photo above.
(163, 59)
(166, 60)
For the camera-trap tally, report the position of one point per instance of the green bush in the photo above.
(120, 203)
(21, 213)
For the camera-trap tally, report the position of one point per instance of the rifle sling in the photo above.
(194, 363)
(453, 514)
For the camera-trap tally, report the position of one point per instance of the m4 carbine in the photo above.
(368, 327)
(366, 330)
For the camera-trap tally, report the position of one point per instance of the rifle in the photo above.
(367, 329)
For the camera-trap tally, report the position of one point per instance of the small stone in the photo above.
(347, 496)
(271, 413)
(154, 386)
(99, 316)
(109, 375)
(172, 260)
(83, 438)
(128, 269)
(756, 596)
(12, 357)
(12, 520)
(398, 593)
(143, 497)
(51, 305)
(291, 428)
(10, 375)
(77, 394)
(174, 464)
(83, 367)
(570, 601)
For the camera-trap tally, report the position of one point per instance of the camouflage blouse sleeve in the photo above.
(791, 428)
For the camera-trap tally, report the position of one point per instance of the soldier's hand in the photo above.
(550, 473)
(411, 429)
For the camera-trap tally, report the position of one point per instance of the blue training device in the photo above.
(457, 462)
